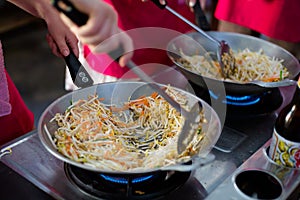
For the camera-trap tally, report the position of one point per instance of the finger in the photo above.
(127, 45)
(104, 21)
(99, 45)
(62, 47)
(106, 38)
(125, 59)
(191, 3)
(72, 42)
(90, 28)
(98, 37)
(53, 46)
(106, 46)
(163, 2)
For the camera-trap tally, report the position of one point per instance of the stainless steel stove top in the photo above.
(240, 155)
(31, 160)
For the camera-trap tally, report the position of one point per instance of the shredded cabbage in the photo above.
(142, 134)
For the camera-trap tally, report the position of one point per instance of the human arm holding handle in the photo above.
(101, 25)
(101, 32)
(60, 38)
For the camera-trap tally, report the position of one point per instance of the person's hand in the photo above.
(101, 32)
(60, 38)
(191, 3)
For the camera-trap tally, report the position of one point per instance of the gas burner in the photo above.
(126, 186)
(127, 180)
(243, 105)
(254, 104)
(241, 100)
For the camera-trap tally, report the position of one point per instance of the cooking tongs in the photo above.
(192, 117)
(224, 53)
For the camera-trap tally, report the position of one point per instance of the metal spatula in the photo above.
(224, 54)
(192, 117)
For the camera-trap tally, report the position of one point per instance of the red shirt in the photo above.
(150, 29)
(278, 19)
(20, 120)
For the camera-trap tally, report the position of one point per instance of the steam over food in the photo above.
(249, 66)
(142, 134)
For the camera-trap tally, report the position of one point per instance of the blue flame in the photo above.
(245, 100)
(121, 180)
(251, 101)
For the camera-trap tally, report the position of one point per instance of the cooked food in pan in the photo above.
(250, 66)
(142, 134)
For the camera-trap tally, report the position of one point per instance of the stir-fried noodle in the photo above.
(249, 66)
(142, 134)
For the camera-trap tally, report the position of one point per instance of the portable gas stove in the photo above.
(239, 105)
(111, 186)
(241, 169)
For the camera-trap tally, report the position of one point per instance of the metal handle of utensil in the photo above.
(223, 47)
(80, 19)
(142, 75)
(197, 162)
(156, 2)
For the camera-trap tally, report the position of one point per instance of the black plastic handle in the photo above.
(70, 11)
(200, 17)
(80, 19)
(80, 76)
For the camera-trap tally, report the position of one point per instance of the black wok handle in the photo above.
(80, 19)
(200, 17)
(80, 76)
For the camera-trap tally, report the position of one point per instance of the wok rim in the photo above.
(240, 87)
(45, 140)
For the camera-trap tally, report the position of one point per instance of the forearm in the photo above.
(38, 8)
(59, 37)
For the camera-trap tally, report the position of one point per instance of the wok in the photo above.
(193, 43)
(118, 93)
